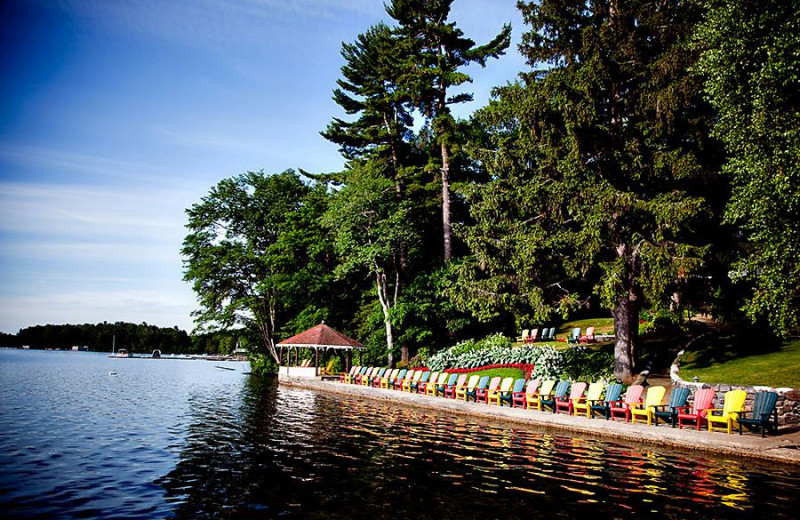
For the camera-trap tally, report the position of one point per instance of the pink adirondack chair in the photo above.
(532, 337)
(623, 406)
(520, 399)
(450, 390)
(589, 337)
(703, 401)
(483, 395)
(565, 403)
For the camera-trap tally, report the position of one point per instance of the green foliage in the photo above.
(139, 338)
(255, 253)
(750, 62)
(601, 166)
(261, 365)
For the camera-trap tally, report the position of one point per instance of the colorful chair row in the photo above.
(577, 399)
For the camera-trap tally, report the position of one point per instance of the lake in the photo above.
(184, 439)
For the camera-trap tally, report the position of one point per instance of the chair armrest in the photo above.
(660, 406)
(596, 400)
(713, 411)
(619, 402)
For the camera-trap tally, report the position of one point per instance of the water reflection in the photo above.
(273, 452)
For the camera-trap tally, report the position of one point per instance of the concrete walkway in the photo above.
(783, 448)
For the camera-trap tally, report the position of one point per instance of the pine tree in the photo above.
(435, 51)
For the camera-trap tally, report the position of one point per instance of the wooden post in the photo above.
(316, 361)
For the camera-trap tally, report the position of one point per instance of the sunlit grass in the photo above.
(776, 369)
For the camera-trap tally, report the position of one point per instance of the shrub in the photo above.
(261, 365)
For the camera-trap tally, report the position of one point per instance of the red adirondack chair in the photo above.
(703, 401)
(483, 394)
(623, 406)
(520, 399)
(565, 403)
(450, 390)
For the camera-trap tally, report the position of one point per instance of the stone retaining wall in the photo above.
(788, 398)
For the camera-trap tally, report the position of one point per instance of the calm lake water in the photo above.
(183, 439)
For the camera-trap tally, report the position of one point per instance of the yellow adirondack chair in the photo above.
(388, 377)
(372, 372)
(733, 403)
(413, 379)
(545, 390)
(461, 393)
(583, 405)
(431, 389)
(423, 387)
(505, 386)
(647, 409)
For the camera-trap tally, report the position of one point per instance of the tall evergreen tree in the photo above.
(752, 67)
(603, 155)
(435, 52)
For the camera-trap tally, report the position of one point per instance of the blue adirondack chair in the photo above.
(669, 412)
(575, 336)
(414, 387)
(603, 407)
(561, 390)
(764, 414)
(506, 397)
(482, 384)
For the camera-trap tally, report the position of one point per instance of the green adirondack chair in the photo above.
(763, 415)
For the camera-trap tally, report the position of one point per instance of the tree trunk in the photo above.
(404, 352)
(447, 230)
(383, 298)
(626, 328)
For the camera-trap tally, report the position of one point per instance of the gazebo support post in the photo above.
(316, 362)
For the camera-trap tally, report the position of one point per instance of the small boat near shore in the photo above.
(122, 353)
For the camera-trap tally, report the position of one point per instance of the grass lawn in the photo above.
(516, 373)
(717, 363)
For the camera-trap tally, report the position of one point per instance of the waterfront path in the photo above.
(783, 447)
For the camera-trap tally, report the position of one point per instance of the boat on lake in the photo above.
(122, 353)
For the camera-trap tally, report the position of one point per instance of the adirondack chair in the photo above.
(516, 388)
(443, 382)
(497, 393)
(479, 390)
(397, 382)
(439, 381)
(589, 337)
(525, 335)
(427, 383)
(345, 378)
(623, 406)
(575, 336)
(567, 403)
(414, 386)
(583, 406)
(561, 390)
(472, 382)
(361, 373)
(703, 400)
(763, 415)
(371, 381)
(545, 391)
(520, 399)
(603, 406)
(410, 379)
(533, 336)
(645, 410)
(450, 391)
(669, 412)
(549, 334)
(387, 381)
(483, 395)
(732, 404)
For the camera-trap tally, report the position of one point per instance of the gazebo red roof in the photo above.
(321, 336)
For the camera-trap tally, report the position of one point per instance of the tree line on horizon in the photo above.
(140, 338)
(646, 161)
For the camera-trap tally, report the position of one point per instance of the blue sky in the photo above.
(117, 115)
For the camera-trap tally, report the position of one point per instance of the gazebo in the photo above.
(320, 337)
